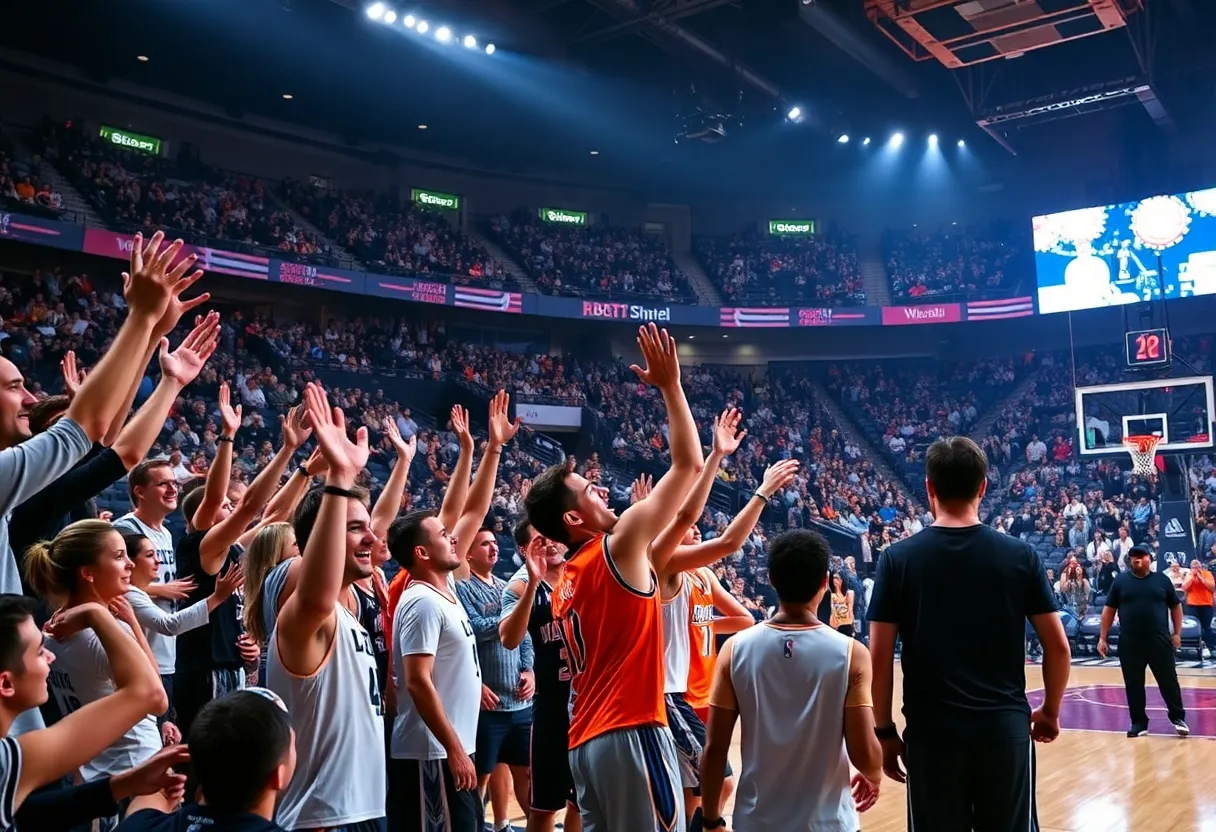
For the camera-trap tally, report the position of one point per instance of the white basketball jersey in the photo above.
(81, 674)
(338, 718)
(790, 684)
(677, 639)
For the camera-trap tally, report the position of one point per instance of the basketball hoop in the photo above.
(1143, 450)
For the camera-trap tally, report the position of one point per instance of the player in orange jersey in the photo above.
(622, 756)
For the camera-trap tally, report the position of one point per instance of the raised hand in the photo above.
(123, 611)
(662, 368)
(329, 425)
(406, 448)
(502, 429)
(316, 465)
(296, 428)
(228, 582)
(185, 363)
(778, 476)
(640, 489)
(727, 436)
(460, 425)
(154, 285)
(178, 590)
(69, 622)
(536, 560)
(72, 377)
(230, 417)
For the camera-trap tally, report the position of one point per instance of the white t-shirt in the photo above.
(162, 542)
(81, 674)
(427, 622)
(10, 776)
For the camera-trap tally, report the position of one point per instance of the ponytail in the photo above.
(40, 571)
(51, 566)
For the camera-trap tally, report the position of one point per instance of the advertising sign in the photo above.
(118, 245)
(41, 231)
(563, 217)
(791, 228)
(319, 277)
(138, 142)
(550, 416)
(933, 313)
(839, 316)
(435, 199)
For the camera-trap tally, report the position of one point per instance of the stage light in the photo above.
(595, 153)
(375, 11)
(933, 140)
(143, 59)
(897, 139)
(421, 126)
(423, 26)
(844, 138)
(443, 34)
(794, 114)
(409, 20)
(490, 49)
(962, 143)
(866, 140)
(470, 42)
(390, 16)
(287, 96)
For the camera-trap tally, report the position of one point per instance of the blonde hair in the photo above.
(268, 550)
(51, 565)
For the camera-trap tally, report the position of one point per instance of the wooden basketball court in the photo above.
(1095, 779)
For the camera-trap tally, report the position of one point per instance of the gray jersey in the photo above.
(338, 718)
(677, 639)
(161, 628)
(81, 674)
(430, 623)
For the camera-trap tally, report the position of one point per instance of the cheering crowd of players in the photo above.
(587, 679)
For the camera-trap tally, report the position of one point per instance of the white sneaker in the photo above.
(1182, 728)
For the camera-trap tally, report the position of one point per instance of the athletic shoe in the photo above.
(1138, 731)
(1181, 727)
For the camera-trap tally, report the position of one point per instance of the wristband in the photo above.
(223, 439)
(335, 491)
(762, 497)
(887, 732)
(708, 824)
(303, 471)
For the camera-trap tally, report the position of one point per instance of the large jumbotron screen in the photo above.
(1108, 255)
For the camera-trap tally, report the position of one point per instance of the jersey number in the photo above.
(575, 651)
(707, 640)
(373, 691)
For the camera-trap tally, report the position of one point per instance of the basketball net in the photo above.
(1143, 451)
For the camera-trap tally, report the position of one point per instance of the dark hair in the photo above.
(1139, 551)
(236, 743)
(956, 468)
(797, 565)
(141, 476)
(305, 516)
(132, 540)
(405, 535)
(192, 501)
(14, 611)
(523, 533)
(548, 500)
(44, 413)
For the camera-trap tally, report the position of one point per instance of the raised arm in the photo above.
(708, 552)
(519, 596)
(389, 503)
(643, 521)
(214, 547)
(458, 484)
(80, 736)
(153, 619)
(502, 430)
(218, 475)
(735, 616)
(178, 369)
(306, 621)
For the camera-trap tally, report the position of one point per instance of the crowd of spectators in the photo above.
(25, 186)
(977, 262)
(135, 191)
(390, 237)
(750, 269)
(592, 261)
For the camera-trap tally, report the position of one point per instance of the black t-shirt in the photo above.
(192, 818)
(1143, 605)
(212, 646)
(961, 597)
(549, 662)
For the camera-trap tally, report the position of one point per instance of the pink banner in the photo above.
(934, 313)
(113, 244)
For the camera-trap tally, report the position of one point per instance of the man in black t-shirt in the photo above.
(1145, 601)
(968, 752)
(243, 752)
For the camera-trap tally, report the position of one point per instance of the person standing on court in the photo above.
(967, 747)
(1145, 601)
(1199, 586)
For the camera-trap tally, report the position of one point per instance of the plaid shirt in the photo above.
(500, 667)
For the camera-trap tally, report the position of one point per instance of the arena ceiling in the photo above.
(576, 76)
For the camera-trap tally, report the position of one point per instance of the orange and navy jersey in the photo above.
(704, 646)
(614, 642)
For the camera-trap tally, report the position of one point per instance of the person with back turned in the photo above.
(1143, 598)
(967, 747)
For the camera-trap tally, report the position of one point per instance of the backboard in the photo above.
(1179, 410)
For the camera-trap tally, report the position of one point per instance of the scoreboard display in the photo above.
(1148, 349)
